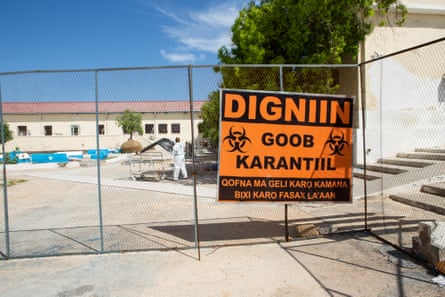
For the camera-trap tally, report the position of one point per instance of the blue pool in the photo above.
(59, 157)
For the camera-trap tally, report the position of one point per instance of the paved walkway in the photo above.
(341, 265)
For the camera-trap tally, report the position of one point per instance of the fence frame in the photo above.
(361, 69)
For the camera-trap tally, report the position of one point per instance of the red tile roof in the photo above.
(104, 107)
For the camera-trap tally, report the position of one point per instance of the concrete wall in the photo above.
(405, 93)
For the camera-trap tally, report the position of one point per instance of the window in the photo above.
(22, 131)
(101, 129)
(162, 128)
(149, 129)
(48, 130)
(74, 130)
(176, 128)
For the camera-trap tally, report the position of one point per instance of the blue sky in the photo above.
(86, 34)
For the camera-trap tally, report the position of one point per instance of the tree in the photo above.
(7, 136)
(296, 32)
(130, 122)
(300, 32)
(305, 31)
(210, 115)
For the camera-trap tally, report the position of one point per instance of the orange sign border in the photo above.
(284, 147)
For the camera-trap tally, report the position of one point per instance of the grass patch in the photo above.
(14, 181)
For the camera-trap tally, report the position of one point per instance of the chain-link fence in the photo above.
(73, 190)
(404, 141)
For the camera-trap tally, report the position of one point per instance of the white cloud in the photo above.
(185, 58)
(172, 16)
(221, 15)
(200, 31)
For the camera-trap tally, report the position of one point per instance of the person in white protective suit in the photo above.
(179, 160)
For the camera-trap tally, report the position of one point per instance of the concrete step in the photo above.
(434, 189)
(424, 201)
(370, 174)
(358, 173)
(383, 168)
(404, 162)
(430, 150)
(422, 156)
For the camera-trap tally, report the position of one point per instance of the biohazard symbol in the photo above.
(237, 140)
(336, 143)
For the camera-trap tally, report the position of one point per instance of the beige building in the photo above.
(404, 104)
(71, 126)
(425, 22)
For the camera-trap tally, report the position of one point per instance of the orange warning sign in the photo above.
(285, 147)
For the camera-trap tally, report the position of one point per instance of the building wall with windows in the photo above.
(66, 129)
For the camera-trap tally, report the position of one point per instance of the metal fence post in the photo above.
(286, 206)
(195, 198)
(5, 181)
(363, 107)
(99, 188)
